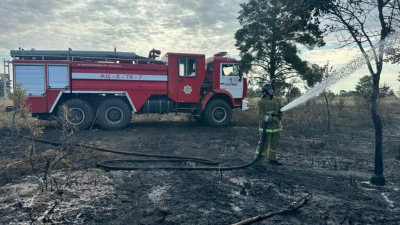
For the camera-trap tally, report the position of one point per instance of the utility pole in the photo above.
(4, 86)
(6, 77)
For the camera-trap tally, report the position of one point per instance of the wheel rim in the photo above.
(76, 116)
(219, 114)
(114, 115)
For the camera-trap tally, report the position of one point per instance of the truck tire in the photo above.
(80, 115)
(218, 113)
(114, 114)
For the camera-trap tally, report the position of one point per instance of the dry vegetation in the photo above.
(313, 114)
(4, 116)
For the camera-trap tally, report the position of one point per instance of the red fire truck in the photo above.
(108, 86)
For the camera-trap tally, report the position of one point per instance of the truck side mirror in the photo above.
(240, 74)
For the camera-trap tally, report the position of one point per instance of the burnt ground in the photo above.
(335, 168)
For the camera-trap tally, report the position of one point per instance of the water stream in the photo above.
(343, 72)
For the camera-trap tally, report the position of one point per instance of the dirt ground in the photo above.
(335, 168)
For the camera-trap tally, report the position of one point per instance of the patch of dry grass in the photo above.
(5, 117)
(313, 115)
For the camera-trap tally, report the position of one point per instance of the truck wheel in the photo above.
(218, 113)
(114, 114)
(80, 113)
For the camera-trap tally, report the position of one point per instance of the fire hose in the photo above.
(165, 158)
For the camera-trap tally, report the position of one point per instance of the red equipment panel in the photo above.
(37, 104)
(140, 81)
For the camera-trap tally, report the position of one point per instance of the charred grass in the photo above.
(334, 166)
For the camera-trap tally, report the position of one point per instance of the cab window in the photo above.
(230, 70)
(187, 67)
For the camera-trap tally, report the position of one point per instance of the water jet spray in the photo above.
(345, 71)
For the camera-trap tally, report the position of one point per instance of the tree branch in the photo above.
(292, 208)
(367, 37)
(352, 33)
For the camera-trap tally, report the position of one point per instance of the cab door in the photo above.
(190, 77)
(230, 79)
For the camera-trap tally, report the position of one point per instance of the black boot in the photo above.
(274, 162)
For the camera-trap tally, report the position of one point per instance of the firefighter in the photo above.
(267, 112)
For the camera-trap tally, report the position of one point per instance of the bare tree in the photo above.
(21, 119)
(328, 96)
(365, 24)
(43, 163)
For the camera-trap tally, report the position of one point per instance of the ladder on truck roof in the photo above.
(6, 79)
(70, 55)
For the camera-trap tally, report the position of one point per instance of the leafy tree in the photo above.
(393, 55)
(293, 92)
(385, 91)
(313, 74)
(364, 89)
(268, 37)
(394, 58)
(366, 24)
(344, 93)
(328, 95)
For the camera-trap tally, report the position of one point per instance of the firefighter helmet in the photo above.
(265, 88)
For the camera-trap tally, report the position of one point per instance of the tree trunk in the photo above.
(378, 178)
(328, 112)
(272, 54)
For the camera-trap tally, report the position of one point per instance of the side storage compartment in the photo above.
(32, 78)
(161, 105)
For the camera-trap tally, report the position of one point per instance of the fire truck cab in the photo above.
(108, 86)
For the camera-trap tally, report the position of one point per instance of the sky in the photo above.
(190, 26)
